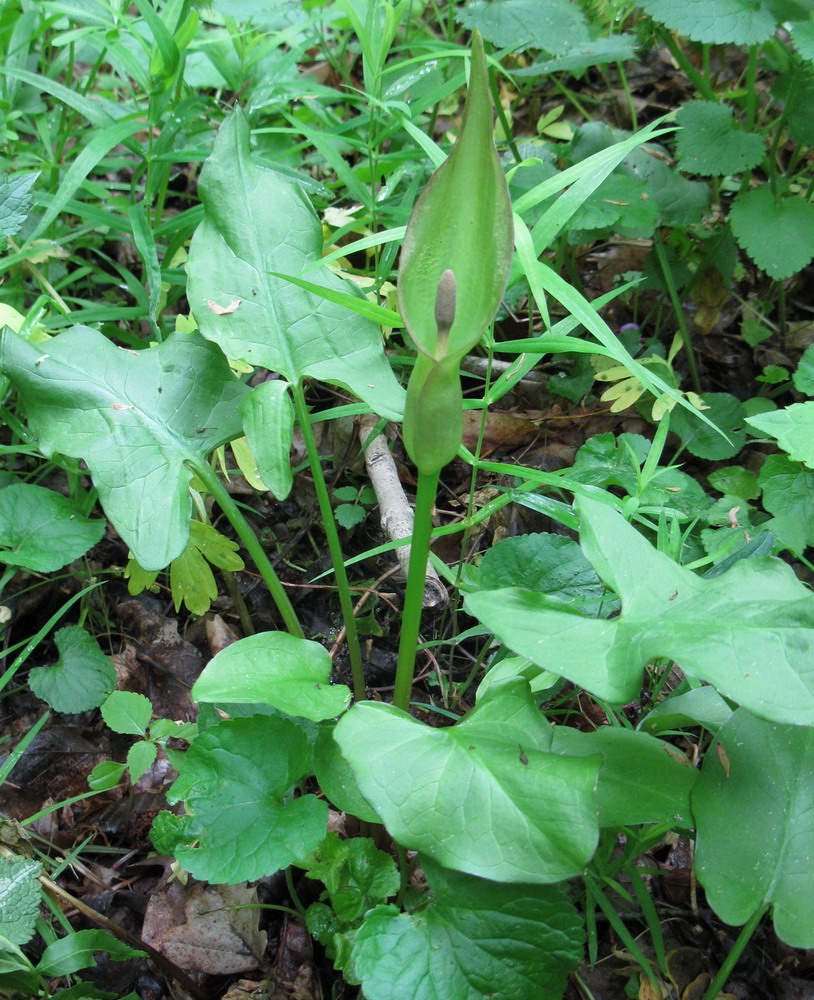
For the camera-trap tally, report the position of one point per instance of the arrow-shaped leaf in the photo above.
(749, 632)
(135, 417)
(257, 222)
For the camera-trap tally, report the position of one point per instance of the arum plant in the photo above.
(455, 262)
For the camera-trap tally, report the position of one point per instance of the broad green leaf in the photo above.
(15, 202)
(720, 22)
(274, 668)
(136, 418)
(336, 779)
(726, 412)
(736, 481)
(551, 564)
(710, 144)
(622, 203)
(462, 222)
(483, 796)
(81, 678)
(105, 775)
(788, 494)
(475, 939)
(243, 770)
(19, 898)
(557, 26)
(748, 631)
(575, 60)
(268, 422)
(777, 235)
(804, 376)
(43, 530)
(76, 950)
(793, 427)
(754, 809)
(140, 757)
(700, 706)
(641, 780)
(127, 712)
(356, 874)
(255, 223)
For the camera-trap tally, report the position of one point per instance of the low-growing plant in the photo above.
(493, 840)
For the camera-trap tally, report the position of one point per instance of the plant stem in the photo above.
(334, 546)
(244, 532)
(679, 312)
(414, 597)
(731, 959)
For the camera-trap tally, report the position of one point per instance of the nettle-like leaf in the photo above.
(257, 222)
(274, 668)
(777, 234)
(19, 898)
(754, 810)
(235, 782)
(804, 375)
(727, 413)
(15, 202)
(748, 631)
(485, 796)
(81, 678)
(554, 25)
(127, 712)
(475, 939)
(788, 494)
(793, 428)
(135, 417)
(357, 875)
(719, 22)
(43, 530)
(710, 144)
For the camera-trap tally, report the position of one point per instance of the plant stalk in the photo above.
(731, 959)
(672, 291)
(334, 545)
(414, 597)
(244, 532)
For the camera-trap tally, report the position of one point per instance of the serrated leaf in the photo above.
(793, 427)
(498, 804)
(804, 376)
(274, 668)
(140, 757)
(127, 712)
(719, 22)
(167, 832)
(755, 825)
(256, 223)
(15, 201)
(711, 145)
(788, 493)
(726, 412)
(554, 25)
(547, 563)
(81, 678)
(268, 422)
(356, 874)
(43, 530)
(449, 948)
(747, 631)
(19, 898)
(244, 768)
(76, 950)
(735, 480)
(349, 515)
(777, 235)
(136, 417)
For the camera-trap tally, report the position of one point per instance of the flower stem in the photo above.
(334, 546)
(414, 598)
(245, 533)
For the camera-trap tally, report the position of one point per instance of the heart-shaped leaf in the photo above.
(274, 668)
(81, 678)
(257, 222)
(484, 796)
(748, 631)
(135, 417)
(754, 808)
